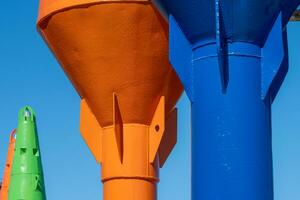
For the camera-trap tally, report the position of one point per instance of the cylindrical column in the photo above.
(231, 141)
(7, 168)
(127, 173)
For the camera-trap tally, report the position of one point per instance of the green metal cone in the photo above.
(27, 182)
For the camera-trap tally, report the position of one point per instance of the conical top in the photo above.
(27, 180)
(242, 20)
(112, 47)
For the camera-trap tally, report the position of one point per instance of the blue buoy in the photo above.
(231, 56)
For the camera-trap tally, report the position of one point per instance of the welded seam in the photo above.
(229, 54)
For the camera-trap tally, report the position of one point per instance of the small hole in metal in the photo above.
(27, 114)
(157, 128)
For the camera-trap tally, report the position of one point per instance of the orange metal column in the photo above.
(116, 55)
(127, 172)
(8, 166)
(130, 153)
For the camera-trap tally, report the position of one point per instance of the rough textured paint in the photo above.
(116, 55)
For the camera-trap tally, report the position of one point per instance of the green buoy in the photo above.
(27, 182)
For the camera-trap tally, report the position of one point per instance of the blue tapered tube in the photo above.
(231, 130)
(231, 56)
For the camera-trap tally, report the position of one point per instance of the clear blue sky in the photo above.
(31, 76)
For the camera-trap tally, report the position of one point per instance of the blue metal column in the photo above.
(231, 137)
(231, 87)
(231, 56)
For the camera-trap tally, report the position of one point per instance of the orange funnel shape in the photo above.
(116, 55)
(7, 169)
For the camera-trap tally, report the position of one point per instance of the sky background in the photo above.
(31, 76)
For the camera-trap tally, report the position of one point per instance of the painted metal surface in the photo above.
(116, 55)
(7, 168)
(27, 181)
(231, 57)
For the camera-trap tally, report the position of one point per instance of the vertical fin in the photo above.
(118, 126)
(221, 46)
(91, 131)
(181, 56)
(272, 57)
(156, 130)
(169, 138)
(283, 69)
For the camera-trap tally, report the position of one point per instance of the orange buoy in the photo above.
(8, 166)
(116, 55)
